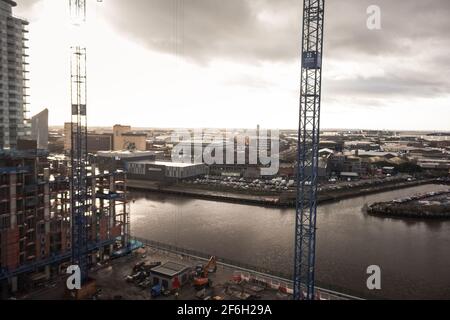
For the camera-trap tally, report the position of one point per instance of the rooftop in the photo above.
(170, 269)
(363, 153)
(326, 150)
(169, 164)
(125, 153)
(134, 134)
(349, 174)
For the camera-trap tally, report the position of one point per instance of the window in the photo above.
(4, 222)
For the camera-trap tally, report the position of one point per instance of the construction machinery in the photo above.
(308, 149)
(201, 279)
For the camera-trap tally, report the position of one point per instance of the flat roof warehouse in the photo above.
(168, 163)
(170, 269)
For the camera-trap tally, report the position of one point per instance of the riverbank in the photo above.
(282, 200)
(264, 237)
(435, 205)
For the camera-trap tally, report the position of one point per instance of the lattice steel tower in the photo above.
(308, 149)
(81, 201)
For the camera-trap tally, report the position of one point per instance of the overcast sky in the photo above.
(235, 63)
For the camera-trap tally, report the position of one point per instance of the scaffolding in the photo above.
(35, 216)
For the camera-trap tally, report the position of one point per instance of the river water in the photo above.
(414, 255)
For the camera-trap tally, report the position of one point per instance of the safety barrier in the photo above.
(252, 274)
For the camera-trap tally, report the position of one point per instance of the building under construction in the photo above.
(35, 218)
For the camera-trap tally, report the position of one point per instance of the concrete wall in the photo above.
(138, 142)
(118, 131)
(67, 136)
(99, 142)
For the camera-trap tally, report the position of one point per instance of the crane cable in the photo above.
(178, 47)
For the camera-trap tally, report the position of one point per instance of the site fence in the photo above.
(248, 272)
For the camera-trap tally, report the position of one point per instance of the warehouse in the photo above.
(165, 171)
(116, 160)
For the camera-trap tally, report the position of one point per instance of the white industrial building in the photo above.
(165, 171)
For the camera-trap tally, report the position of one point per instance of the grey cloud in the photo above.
(249, 81)
(202, 30)
(398, 81)
(217, 28)
(386, 87)
(414, 20)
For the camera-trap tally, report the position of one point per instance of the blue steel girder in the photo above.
(33, 267)
(308, 149)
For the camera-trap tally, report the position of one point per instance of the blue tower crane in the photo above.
(80, 199)
(308, 149)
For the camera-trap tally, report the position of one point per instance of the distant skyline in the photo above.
(106, 128)
(235, 63)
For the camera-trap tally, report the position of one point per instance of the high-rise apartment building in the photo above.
(13, 77)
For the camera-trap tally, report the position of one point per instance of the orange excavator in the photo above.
(201, 280)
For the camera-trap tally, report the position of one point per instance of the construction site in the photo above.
(56, 214)
(153, 273)
(36, 235)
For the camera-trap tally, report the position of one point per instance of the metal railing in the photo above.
(271, 276)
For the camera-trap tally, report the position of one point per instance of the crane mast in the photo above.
(308, 149)
(80, 199)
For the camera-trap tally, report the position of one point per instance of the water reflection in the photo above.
(412, 253)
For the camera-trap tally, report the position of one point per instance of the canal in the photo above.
(413, 254)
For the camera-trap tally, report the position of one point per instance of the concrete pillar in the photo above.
(112, 185)
(93, 183)
(94, 258)
(101, 253)
(112, 204)
(14, 284)
(47, 272)
(95, 217)
(13, 200)
(46, 174)
(47, 202)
